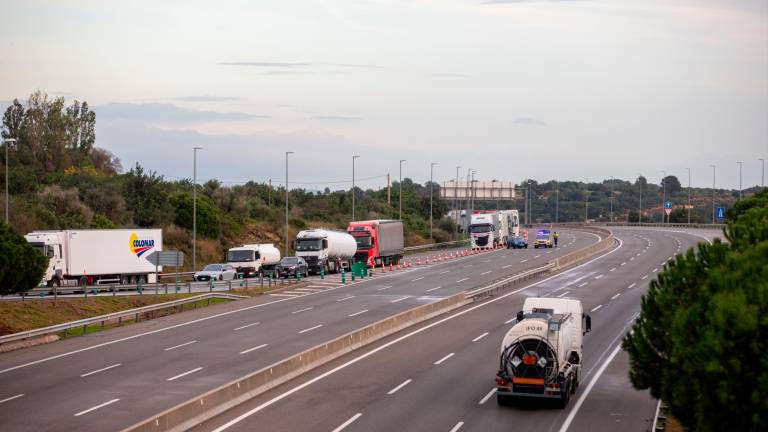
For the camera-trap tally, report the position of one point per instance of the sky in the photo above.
(514, 89)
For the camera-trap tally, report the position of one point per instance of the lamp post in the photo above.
(194, 207)
(611, 199)
(353, 187)
(286, 202)
(431, 171)
(664, 193)
(740, 165)
(456, 204)
(714, 170)
(689, 196)
(530, 204)
(400, 197)
(762, 182)
(7, 167)
(640, 210)
(586, 200)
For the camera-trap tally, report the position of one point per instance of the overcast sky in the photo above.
(512, 88)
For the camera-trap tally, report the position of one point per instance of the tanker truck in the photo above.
(325, 249)
(541, 355)
(254, 259)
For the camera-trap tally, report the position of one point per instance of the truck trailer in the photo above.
(252, 260)
(541, 355)
(325, 249)
(97, 256)
(378, 241)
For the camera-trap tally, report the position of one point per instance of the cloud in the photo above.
(266, 64)
(163, 113)
(335, 118)
(449, 75)
(526, 1)
(527, 121)
(206, 98)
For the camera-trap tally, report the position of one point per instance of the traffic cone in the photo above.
(418, 261)
(390, 266)
(427, 262)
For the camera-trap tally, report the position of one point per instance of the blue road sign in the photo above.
(667, 204)
(721, 212)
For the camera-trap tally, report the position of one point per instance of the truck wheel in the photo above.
(565, 396)
(503, 400)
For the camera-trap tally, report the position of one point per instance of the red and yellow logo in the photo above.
(139, 246)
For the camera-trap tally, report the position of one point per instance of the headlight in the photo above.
(542, 362)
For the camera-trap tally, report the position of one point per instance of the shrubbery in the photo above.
(21, 266)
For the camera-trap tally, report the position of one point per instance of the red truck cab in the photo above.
(378, 241)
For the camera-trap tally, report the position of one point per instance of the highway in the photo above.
(112, 379)
(439, 375)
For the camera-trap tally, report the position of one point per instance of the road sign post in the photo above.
(668, 209)
(721, 213)
(166, 258)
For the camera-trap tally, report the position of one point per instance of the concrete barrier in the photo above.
(216, 401)
(584, 253)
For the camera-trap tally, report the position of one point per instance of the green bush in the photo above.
(207, 214)
(21, 266)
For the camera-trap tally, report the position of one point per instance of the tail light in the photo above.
(529, 359)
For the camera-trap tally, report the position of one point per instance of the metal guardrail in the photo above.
(667, 225)
(101, 319)
(435, 245)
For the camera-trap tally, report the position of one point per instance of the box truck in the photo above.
(254, 259)
(378, 241)
(98, 256)
(541, 355)
(325, 249)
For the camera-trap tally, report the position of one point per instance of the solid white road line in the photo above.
(485, 273)
(615, 296)
(403, 384)
(510, 320)
(184, 374)
(345, 298)
(308, 289)
(444, 358)
(480, 337)
(417, 279)
(563, 294)
(462, 280)
(311, 328)
(487, 396)
(631, 286)
(284, 295)
(400, 299)
(96, 407)
(348, 422)
(358, 313)
(596, 308)
(253, 349)
(585, 283)
(247, 325)
(575, 409)
(457, 427)
(12, 398)
(410, 334)
(180, 345)
(302, 310)
(100, 370)
(432, 289)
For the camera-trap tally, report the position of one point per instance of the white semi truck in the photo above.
(325, 249)
(254, 259)
(484, 230)
(541, 355)
(98, 256)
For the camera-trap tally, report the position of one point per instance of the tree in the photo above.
(21, 266)
(699, 342)
(208, 217)
(147, 197)
(672, 184)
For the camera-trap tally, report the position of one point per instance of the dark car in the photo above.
(292, 266)
(517, 242)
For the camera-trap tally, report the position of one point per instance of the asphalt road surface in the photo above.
(112, 379)
(439, 375)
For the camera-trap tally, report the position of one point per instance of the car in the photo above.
(517, 242)
(292, 266)
(216, 272)
(543, 239)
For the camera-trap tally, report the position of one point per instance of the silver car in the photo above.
(216, 272)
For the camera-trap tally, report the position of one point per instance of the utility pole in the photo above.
(194, 207)
(456, 205)
(714, 170)
(740, 165)
(640, 210)
(689, 196)
(353, 187)
(431, 171)
(286, 202)
(664, 194)
(401, 189)
(7, 168)
(557, 200)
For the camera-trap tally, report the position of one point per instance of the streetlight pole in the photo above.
(762, 182)
(664, 193)
(353, 187)
(7, 167)
(586, 200)
(611, 199)
(194, 207)
(472, 190)
(456, 204)
(286, 201)
(431, 171)
(740, 165)
(689, 196)
(714, 170)
(557, 200)
(400, 197)
(640, 210)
